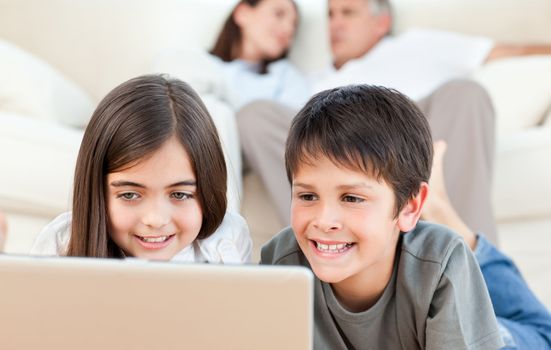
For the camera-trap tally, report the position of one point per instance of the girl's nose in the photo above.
(156, 215)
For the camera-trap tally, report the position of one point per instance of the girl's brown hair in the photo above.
(130, 123)
(228, 42)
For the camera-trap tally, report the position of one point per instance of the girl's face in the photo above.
(267, 29)
(153, 209)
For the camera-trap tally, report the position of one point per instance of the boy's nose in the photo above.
(328, 219)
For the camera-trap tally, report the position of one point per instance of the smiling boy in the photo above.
(359, 159)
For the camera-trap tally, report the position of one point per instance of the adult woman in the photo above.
(248, 60)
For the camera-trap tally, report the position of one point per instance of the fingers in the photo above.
(3, 231)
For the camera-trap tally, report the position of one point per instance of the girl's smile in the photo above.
(154, 242)
(153, 208)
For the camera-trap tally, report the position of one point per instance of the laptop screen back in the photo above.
(77, 303)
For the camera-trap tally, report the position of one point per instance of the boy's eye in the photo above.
(128, 196)
(307, 197)
(180, 196)
(352, 199)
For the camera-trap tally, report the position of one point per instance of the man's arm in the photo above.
(505, 50)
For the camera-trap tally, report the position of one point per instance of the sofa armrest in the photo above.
(38, 161)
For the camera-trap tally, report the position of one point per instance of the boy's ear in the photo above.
(410, 213)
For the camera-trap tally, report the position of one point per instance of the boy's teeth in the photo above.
(333, 248)
(154, 239)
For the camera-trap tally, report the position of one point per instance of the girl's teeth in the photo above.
(154, 239)
(333, 248)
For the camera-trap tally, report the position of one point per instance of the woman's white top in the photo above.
(237, 82)
(230, 243)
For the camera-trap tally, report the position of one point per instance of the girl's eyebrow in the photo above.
(184, 183)
(123, 183)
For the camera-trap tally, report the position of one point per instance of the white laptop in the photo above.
(77, 303)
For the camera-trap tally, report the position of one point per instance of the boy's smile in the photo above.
(345, 223)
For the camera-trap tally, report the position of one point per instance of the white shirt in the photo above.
(230, 243)
(282, 83)
(414, 63)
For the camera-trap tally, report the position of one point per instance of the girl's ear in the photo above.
(410, 213)
(241, 14)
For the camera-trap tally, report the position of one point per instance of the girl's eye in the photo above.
(180, 196)
(279, 13)
(308, 197)
(128, 196)
(352, 199)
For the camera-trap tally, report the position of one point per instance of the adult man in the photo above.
(416, 63)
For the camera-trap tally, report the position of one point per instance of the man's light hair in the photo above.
(380, 6)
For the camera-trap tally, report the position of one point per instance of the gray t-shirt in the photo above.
(435, 299)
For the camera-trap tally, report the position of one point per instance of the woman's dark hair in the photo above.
(228, 43)
(134, 120)
(369, 128)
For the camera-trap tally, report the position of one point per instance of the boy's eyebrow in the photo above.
(123, 183)
(303, 185)
(340, 187)
(356, 185)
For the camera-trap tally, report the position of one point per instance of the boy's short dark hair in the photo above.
(369, 128)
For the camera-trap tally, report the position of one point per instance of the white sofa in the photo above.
(97, 44)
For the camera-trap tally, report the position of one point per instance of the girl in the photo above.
(248, 60)
(150, 182)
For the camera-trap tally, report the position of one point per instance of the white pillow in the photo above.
(31, 87)
(520, 88)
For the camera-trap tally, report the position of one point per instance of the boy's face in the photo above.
(344, 222)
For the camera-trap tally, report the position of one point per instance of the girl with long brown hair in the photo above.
(150, 182)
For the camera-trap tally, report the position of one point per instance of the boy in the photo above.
(359, 159)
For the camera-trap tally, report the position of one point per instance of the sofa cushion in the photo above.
(521, 175)
(32, 88)
(520, 89)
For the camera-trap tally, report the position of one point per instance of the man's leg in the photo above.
(263, 128)
(461, 113)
